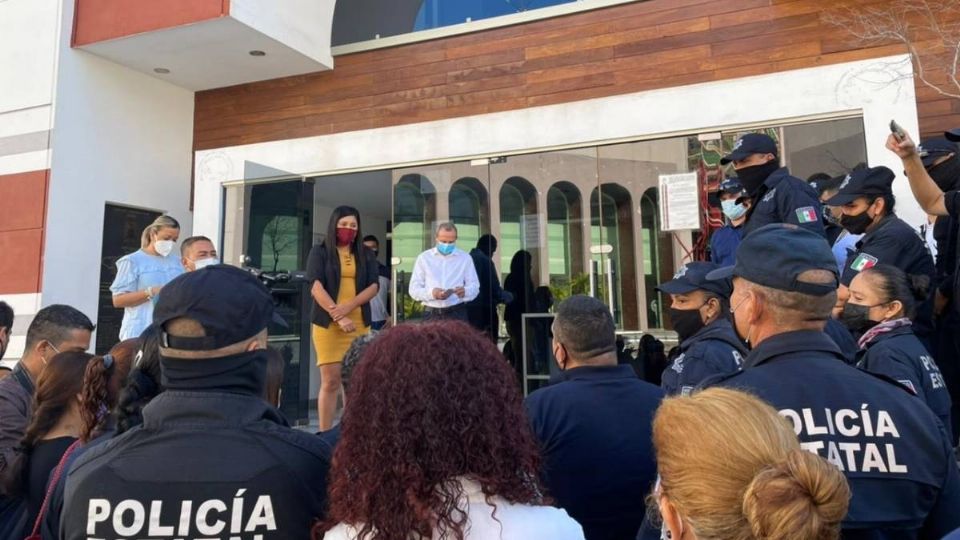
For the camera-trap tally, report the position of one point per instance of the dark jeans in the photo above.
(455, 313)
(378, 325)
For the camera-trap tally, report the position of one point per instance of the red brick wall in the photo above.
(23, 208)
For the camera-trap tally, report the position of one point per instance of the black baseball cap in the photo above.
(953, 135)
(931, 150)
(731, 186)
(775, 255)
(231, 305)
(693, 276)
(749, 144)
(866, 182)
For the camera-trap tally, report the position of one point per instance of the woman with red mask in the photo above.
(344, 275)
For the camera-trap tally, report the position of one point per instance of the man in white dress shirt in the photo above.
(444, 278)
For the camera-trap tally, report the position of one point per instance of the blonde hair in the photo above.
(734, 470)
(161, 222)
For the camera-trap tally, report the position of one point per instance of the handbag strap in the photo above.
(54, 480)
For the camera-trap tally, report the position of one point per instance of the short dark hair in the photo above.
(487, 243)
(585, 327)
(371, 238)
(191, 241)
(53, 323)
(6, 316)
(352, 357)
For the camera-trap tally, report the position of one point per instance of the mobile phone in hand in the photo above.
(897, 131)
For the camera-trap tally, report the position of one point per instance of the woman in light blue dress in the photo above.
(141, 275)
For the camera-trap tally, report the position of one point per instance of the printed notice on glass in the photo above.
(679, 202)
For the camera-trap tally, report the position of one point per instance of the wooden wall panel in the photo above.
(628, 48)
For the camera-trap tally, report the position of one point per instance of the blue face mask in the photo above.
(733, 210)
(445, 248)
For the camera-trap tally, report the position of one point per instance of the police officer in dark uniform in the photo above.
(892, 449)
(777, 196)
(212, 459)
(708, 344)
(937, 201)
(882, 301)
(734, 204)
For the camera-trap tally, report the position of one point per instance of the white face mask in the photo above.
(164, 247)
(203, 263)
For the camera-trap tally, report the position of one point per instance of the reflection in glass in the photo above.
(469, 211)
(612, 224)
(519, 228)
(565, 240)
(650, 234)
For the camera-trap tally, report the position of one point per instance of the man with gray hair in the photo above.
(895, 453)
(444, 278)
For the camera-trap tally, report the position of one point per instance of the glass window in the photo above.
(362, 20)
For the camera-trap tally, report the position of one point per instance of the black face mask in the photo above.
(947, 174)
(751, 178)
(857, 224)
(686, 322)
(244, 373)
(856, 317)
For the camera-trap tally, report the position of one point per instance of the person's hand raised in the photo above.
(904, 149)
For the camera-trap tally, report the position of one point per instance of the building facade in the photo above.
(547, 124)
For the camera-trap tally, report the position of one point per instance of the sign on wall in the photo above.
(679, 202)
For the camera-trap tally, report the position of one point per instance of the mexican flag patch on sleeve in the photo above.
(863, 261)
(807, 214)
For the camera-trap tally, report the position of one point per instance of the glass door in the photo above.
(268, 229)
(424, 197)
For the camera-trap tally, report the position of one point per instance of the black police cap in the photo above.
(230, 304)
(931, 150)
(867, 182)
(953, 135)
(776, 255)
(693, 276)
(731, 186)
(749, 144)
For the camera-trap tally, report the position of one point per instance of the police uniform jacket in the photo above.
(842, 337)
(898, 354)
(785, 199)
(891, 447)
(892, 242)
(714, 350)
(204, 464)
(595, 429)
(723, 244)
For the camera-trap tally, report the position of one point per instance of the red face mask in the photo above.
(345, 236)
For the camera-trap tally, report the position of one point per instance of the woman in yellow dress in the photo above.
(345, 278)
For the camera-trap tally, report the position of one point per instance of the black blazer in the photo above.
(328, 274)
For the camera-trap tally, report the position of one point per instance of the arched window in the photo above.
(611, 208)
(519, 229)
(414, 211)
(469, 211)
(565, 238)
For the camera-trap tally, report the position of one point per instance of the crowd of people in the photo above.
(809, 398)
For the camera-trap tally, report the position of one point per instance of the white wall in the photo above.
(120, 137)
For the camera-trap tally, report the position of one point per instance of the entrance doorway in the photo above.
(122, 229)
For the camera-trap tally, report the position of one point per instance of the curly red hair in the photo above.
(430, 403)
